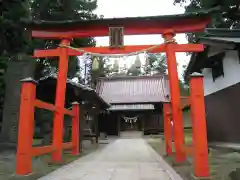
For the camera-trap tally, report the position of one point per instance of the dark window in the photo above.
(217, 66)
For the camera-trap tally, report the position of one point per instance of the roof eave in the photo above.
(208, 42)
(222, 32)
(199, 17)
(228, 44)
(81, 87)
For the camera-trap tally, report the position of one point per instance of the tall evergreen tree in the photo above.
(155, 64)
(135, 69)
(63, 10)
(227, 17)
(101, 70)
(16, 47)
(14, 50)
(184, 88)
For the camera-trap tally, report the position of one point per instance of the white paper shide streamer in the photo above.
(130, 119)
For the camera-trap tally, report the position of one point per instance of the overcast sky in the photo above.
(133, 8)
(136, 8)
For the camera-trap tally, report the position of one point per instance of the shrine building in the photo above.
(136, 103)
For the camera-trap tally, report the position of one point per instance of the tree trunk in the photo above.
(19, 67)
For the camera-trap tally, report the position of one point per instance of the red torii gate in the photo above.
(168, 26)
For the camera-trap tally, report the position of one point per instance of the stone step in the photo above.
(131, 134)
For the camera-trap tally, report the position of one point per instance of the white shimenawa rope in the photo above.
(130, 119)
(118, 55)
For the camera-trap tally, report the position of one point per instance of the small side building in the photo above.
(136, 103)
(220, 65)
(91, 105)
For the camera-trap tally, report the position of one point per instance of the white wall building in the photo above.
(220, 65)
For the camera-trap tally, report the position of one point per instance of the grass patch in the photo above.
(222, 163)
(188, 137)
(41, 165)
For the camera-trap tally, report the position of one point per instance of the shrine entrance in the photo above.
(130, 123)
(168, 27)
(131, 126)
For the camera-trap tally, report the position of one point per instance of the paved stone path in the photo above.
(123, 159)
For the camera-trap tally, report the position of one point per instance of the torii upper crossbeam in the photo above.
(132, 26)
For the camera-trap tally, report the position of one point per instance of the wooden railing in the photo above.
(25, 150)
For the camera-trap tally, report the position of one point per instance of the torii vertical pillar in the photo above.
(60, 102)
(201, 166)
(167, 128)
(175, 97)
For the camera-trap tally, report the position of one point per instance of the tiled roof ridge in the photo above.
(54, 75)
(133, 77)
(78, 85)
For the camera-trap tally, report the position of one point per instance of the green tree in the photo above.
(184, 83)
(135, 69)
(101, 69)
(227, 17)
(155, 64)
(184, 88)
(63, 10)
(14, 49)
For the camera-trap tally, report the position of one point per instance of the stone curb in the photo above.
(171, 172)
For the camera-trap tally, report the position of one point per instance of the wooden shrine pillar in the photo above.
(200, 144)
(75, 128)
(95, 112)
(175, 96)
(82, 125)
(119, 124)
(96, 127)
(167, 128)
(143, 123)
(60, 102)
